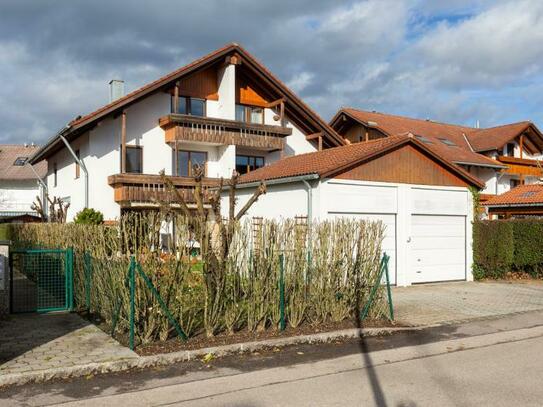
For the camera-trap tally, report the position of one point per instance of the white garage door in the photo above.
(437, 248)
(389, 242)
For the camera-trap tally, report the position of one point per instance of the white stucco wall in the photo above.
(333, 197)
(18, 195)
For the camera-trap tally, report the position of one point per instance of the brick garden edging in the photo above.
(165, 359)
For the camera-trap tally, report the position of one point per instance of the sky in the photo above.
(454, 61)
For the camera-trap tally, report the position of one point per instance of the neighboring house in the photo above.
(502, 157)
(523, 201)
(19, 185)
(225, 111)
(422, 198)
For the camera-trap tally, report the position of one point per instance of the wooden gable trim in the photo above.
(406, 164)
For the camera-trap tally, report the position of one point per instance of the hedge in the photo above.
(501, 246)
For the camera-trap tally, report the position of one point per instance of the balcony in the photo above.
(522, 166)
(182, 127)
(143, 190)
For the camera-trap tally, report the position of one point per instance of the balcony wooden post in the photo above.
(282, 113)
(176, 98)
(123, 142)
(521, 145)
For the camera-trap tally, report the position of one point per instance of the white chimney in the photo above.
(477, 124)
(116, 89)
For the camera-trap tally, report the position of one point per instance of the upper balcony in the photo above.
(522, 166)
(132, 190)
(182, 127)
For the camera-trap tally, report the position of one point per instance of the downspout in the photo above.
(44, 186)
(78, 161)
(309, 190)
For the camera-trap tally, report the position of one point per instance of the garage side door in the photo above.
(389, 242)
(437, 248)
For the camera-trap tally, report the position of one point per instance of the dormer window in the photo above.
(188, 105)
(20, 161)
(447, 142)
(423, 139)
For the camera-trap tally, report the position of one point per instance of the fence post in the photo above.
(382, 267)
(88, 276)
(70, 277)
(282, 324)
(389, 292)
(132, 282)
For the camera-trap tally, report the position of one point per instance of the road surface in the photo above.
(494, 362)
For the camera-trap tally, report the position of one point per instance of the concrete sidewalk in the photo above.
(446, 303)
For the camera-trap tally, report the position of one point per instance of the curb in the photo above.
(165, 359)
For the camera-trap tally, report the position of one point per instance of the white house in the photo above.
(19, 185)
(224, 111)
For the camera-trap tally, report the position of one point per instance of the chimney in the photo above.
(116, 89)
(477, 124)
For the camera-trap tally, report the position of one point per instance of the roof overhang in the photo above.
(293, 104)
(496, 166)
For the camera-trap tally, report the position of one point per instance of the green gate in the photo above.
(41, 280)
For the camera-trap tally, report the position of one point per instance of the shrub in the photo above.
(501, 246)
(5, 231)
(328, 272)
(89, 216)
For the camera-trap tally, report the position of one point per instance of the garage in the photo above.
(423, 200)
(437, 248)
(389, 242)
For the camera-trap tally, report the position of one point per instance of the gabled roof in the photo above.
(494, 138)
(522, 195)
(293, 103)
(391, 125)
(330, 162)
(9, 153)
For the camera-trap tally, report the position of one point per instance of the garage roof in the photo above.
(332, 161)
(523, 195)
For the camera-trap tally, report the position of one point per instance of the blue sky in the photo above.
(456, 61)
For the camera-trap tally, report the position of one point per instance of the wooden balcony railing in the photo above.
(522, 166)
(145, 189)
(182, 127)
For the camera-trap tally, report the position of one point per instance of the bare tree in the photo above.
(214, 233)
(58, 209)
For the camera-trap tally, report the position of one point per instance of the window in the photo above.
(514, 183)
(423, 139)
(55, 178)
(134, 159)
(77, 169)
(447, 142)
(510, 149)
(247, 163)
(193, 106)
(249, 114)
(20, 161)
(187, 160)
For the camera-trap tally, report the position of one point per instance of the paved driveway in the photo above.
(447, 303)
(40, 343)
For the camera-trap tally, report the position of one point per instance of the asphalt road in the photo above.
(488, 362)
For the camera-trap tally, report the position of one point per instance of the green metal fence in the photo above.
(383, 270)
(41, 280)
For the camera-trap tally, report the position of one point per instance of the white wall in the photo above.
(333, 197)
(18, 195)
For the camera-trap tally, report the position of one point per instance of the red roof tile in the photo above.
(9, 153)
(460, 152)
(523, 195)
(494, 138)
(331, 161)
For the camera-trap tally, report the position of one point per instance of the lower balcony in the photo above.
(179, 127)
(146, 190)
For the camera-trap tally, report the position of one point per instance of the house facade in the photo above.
(224, 111)
(503, 157)
(19, 185)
